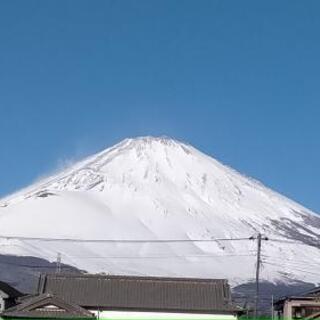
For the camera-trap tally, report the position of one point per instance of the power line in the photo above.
(58, 265)
(290, 262)
(119, 240)
(291, 241)
(283, 262)
(48, 239)
(294, 268)
(52, 266)
(162, 256)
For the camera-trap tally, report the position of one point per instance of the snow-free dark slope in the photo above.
(159, 188)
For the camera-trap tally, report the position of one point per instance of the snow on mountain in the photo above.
(159, 188)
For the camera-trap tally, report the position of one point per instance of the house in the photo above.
(305, 305)
(127, 297)
(8, 296)
(46, 306)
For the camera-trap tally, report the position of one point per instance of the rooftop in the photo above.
(141, 293)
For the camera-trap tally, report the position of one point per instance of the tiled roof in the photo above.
(46, 306)
(141, 293)
(9, 290)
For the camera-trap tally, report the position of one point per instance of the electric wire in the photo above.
(294, 268)
(162, 256)
(45, 239)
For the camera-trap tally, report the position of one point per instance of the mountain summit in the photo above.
(161, 189)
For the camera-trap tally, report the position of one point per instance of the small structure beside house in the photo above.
(302, 306)
(8, 296)
(127, 297)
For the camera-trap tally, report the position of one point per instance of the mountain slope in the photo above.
(158, 188)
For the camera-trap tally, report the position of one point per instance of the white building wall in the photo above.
(3, 297)
(128, 315)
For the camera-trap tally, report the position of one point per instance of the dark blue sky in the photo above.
(237, 79)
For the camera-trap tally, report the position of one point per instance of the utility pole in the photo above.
(259, 239)
(58, 263)
(257, 275)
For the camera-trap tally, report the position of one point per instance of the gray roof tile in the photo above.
(141, 293)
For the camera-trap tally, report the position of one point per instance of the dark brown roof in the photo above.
(10, 291)
(305, 295)
(46, 306)
(141, 293)
(315, 292)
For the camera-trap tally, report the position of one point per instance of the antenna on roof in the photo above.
(58, 263)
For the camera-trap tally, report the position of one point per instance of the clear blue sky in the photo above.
(237, 79)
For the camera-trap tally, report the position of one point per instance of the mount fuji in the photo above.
(161, 189)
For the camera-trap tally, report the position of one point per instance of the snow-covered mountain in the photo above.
(159, 188)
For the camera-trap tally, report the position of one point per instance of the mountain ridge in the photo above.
(161, 188)
(164, 139)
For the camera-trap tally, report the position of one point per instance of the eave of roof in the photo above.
(29, 308)
(9, 290)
